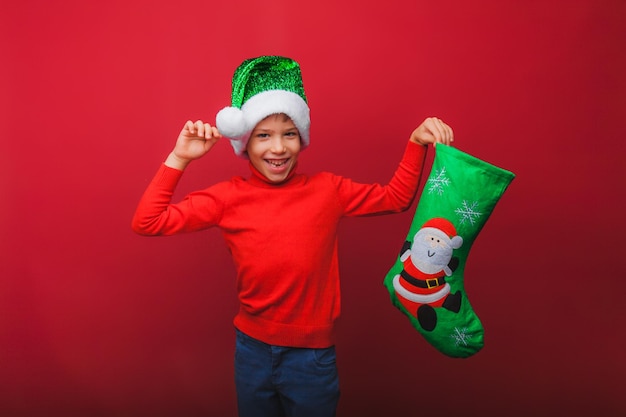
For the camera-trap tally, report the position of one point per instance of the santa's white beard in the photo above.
(427, 267)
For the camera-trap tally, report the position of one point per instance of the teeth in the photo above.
(277, 163)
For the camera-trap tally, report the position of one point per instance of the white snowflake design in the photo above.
(438, 182)
(461, 336)
(468, 212)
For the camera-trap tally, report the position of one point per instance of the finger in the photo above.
(208, 132)
(190, 127)
(451, 134)
(200, 128)
(212, 132)
(437, 130)
(447, 135)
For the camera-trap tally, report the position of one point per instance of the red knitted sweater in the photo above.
(283, 239)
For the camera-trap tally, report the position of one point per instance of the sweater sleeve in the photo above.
(371, 199)
(156, 215)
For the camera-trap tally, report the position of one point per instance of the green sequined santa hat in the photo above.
(263, 86)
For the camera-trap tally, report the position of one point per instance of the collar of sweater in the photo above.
(261, 180)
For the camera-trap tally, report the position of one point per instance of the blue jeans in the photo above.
(277, 381)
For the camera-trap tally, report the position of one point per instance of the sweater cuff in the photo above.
(414, 154)
(167, 177)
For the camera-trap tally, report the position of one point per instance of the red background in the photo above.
(97, 321)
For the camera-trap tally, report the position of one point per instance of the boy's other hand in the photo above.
(194, 141)
(433, 130)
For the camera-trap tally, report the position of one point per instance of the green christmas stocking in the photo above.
(426, 281)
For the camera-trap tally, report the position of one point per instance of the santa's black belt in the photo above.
(428, 283)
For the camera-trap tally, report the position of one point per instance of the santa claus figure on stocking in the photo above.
(427, 261)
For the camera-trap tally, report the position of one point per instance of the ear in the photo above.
(456, 242)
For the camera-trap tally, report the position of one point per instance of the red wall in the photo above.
(97, 321)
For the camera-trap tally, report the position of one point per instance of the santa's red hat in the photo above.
(443, 229)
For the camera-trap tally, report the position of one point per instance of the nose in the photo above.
(278, 146)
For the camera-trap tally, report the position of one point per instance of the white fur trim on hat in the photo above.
(454, 242)
(236, 124)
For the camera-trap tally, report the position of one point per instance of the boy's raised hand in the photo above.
(433, 130)
(194, 141)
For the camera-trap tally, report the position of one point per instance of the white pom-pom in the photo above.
(229, 121)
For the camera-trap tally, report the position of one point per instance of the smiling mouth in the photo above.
(277, 163)
(433, 254)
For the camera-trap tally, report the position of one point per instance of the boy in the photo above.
(280, 227)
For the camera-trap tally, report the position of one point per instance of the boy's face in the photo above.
(274, 146)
